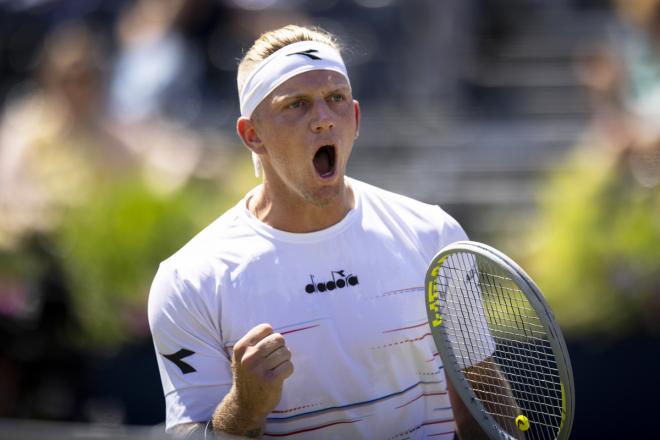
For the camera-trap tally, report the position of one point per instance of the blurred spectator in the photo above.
(624, 80)
(157, 72)
(84, 201)
(56, 142)
(637, 51)
(623, 75)
(596, 251)
(55, 148)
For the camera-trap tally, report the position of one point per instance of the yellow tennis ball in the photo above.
(522, 423)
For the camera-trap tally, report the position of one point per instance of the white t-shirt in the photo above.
(349, 301)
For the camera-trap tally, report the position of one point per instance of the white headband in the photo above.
(284, 64)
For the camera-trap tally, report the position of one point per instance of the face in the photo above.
(304, 133)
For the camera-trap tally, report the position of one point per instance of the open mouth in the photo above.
(324, 161)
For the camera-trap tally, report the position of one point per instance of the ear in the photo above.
(356, 109)
(247, 131)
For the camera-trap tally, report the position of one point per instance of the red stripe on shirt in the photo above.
(403, 342)
(406, 328)
(430, 422)
(313, 428)
(441, 393)
(230, 346)
(441, 433)
(298, 329)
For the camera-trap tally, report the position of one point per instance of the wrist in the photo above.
(235, 416)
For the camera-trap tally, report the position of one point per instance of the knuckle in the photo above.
(250, 359)
(240, 345)
(282, 352)
(265, 328)
(278, 338)
(237, 352)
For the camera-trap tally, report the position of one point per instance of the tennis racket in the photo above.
(500, 345)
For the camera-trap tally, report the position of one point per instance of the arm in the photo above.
(260, 364)
(466, 426)
(242, 388)
(492, 388)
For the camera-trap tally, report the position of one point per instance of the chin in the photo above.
(328, 193)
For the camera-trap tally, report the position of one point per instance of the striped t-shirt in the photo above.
(349, 301)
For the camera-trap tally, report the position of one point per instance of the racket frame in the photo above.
(546, 319)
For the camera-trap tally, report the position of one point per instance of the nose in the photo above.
(322, 118)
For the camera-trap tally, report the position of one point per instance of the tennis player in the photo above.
(300, 311)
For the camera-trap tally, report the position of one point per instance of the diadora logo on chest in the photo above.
(338, 280)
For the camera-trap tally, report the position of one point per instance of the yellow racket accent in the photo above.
(432, 294)
(433, 304)
(522, 423)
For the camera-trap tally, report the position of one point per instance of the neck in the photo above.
(295, 214)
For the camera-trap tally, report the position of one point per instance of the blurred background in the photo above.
(536, 123)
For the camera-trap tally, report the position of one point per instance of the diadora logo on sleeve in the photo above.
(338, 280)
(177, 359)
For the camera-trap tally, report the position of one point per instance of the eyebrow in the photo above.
(287, 97)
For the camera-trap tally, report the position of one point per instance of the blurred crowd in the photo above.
(103, 172)
(596, 248)
(117, 145)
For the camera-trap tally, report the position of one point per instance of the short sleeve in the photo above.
(451, 231)
(194, 367)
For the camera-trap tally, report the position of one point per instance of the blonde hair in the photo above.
(272, 41)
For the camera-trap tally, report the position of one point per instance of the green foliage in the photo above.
(597, 251)
(112, 245)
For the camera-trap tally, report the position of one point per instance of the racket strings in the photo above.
(503, 320)
(495, 370)
(532, 376)
(488, 321)
(531, 314)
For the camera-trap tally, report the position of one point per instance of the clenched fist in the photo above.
(260, 363)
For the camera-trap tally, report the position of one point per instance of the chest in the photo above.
(347, 286)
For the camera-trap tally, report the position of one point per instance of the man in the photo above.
(310, 269)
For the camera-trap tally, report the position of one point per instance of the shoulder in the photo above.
(417, 214)
(195, 272)
(379, 196)
(185, 294)
(423, 226)
(213, 245)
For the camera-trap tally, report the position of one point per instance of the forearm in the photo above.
(260, 364)
(493, 389)
(466, 426)
(234, 417)
(230, 420)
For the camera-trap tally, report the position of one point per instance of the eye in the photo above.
(298, 103)
(337, 97)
